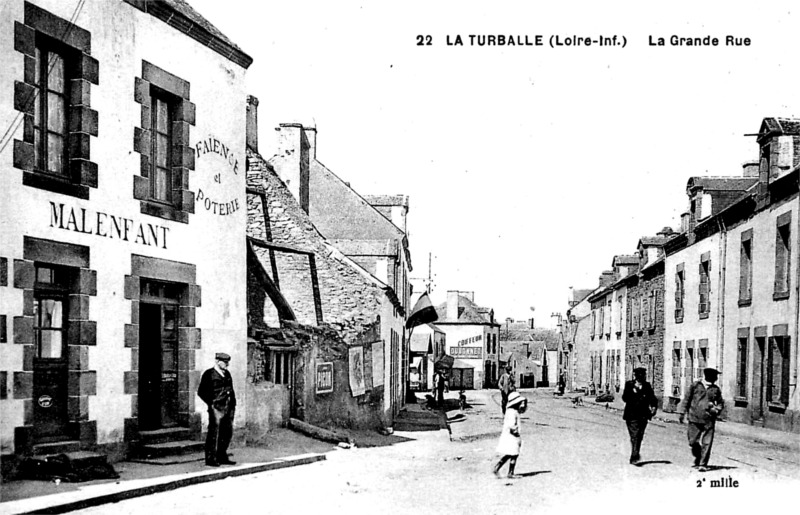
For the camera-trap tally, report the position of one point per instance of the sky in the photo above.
(528, 168)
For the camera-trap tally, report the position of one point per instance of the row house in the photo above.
(326, 328)
(608, 325)
(644, 316)
(472, 336)
(577, 338)
(694, 292)
(122, 261)
(732, 302)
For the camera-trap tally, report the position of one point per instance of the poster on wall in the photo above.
(368, 366)
(357, 385)
(377, 363)
(324, 377)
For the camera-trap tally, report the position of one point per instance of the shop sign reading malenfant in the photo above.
(107, 225)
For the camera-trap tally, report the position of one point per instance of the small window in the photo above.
(704, 301)
(745, 271)
(782, 255)
(679, 294)
(162, 113)
(50, 108)
(281, 367)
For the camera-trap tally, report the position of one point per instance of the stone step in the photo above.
(61, 447)
(157, 450)
(407, 425)
(168, 434)
(77, 459)
(172, 460)
(408, 414)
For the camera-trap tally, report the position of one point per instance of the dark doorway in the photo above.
(158, 355)
(50, 353)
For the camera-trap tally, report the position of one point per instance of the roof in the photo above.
(721, 183)
(658, 241)
(461, 364)
(625, 259)
(182, 17)
(421, 343)
(472, 313)
(770, 126)
(386, 200)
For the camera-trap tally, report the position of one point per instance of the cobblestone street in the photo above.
(573, 458)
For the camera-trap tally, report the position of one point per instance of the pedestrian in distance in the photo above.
(506, 386)
(216, 390)
(640, 406)
(462, 400)
(703, 404)
(510, 443)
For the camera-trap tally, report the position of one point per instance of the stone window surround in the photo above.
(746, 297)
(81, 119)
(189, 338)
(81, 334)
(183, 158)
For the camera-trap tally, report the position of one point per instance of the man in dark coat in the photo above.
(640, 406)
(216, 390)
(506, 385)
(703, 403)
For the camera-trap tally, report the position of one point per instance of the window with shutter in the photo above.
(704, 304)
(782, 256)
(679, 293)
(746, 269)
(741, 368)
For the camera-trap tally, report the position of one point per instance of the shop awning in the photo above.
(461, 364)
(445, 361)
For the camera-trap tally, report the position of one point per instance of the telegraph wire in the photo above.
(32, 97)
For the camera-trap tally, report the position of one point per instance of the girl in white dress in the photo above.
(510, 441)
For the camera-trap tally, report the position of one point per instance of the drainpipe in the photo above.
(721, 312)
(796, 302)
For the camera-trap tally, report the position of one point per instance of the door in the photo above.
(50, 367)
(158, 365)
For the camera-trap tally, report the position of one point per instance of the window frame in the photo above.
(746, 269)
(783, 256)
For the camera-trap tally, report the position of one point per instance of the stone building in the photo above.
(315, 316)
(373, 237)
(121, 199)
(428, 344)
(472, 334)
(644, 316)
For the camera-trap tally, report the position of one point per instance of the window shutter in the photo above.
(628, 313)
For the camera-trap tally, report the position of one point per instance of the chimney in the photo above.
(291, 162)
(452, 305)
(685, 222)
(606, 278)
(311, 134)
(750, 169)
(251, 125)
(469, 294)
(666, 231)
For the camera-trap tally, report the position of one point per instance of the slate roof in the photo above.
(721, 183)
(182, 16)
(657, 241)
(472, 313)
(787, 126)
(625, 259)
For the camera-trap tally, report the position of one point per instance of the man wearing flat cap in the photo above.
(640, 406)
(216, 390)
(703, 404)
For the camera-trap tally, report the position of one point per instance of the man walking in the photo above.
(506, 386)
(640, 406)
(703, 403)
(216, 390)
